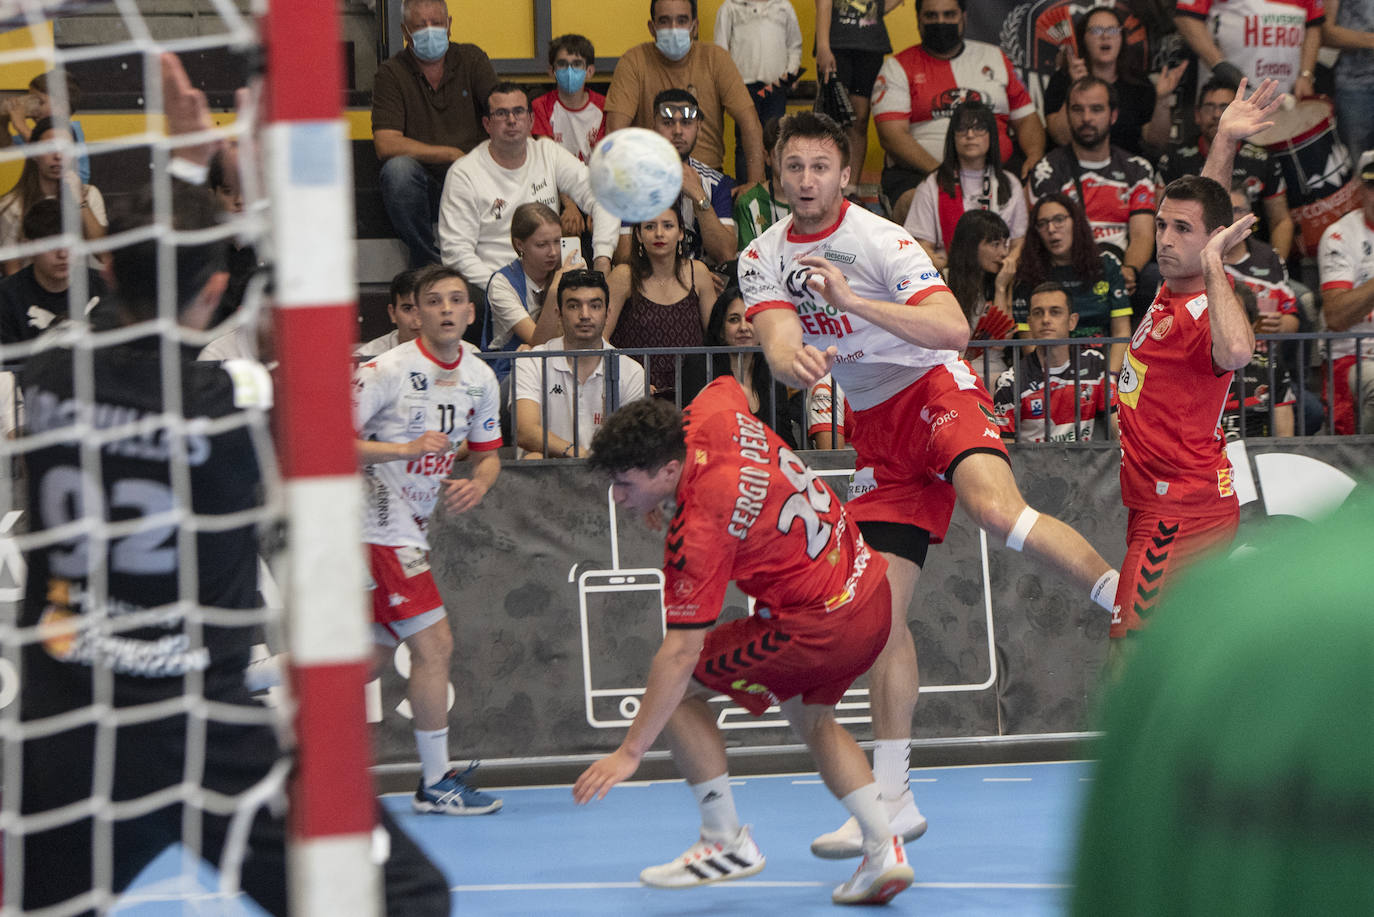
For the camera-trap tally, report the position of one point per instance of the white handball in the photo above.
(635, 174)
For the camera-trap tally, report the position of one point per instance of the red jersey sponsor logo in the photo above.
(1162, 327)
(1225, 487)
(431, 464)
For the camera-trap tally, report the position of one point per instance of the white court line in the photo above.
(924, 779)
(806, 782)
(1007, 779)
(749, 883)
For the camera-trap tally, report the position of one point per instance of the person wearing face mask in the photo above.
(427, 108)
(676, 60)
(918, 89)
(572, 115)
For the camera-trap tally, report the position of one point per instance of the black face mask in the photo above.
(940, 37)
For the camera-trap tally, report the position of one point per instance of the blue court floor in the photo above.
(1000, 842)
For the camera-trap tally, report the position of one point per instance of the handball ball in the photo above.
(635, 174)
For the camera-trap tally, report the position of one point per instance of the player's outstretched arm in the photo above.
(1233, 339)
(668, 678)
(462, 494)
(1242, 118)
(793, 362)
(371, 452)
(936, 323)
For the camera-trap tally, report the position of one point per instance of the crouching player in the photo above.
(747, 509)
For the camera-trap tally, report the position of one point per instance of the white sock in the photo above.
(1103, 591)
(868, 810)
(719, 821)
(891, 766)
(433, 748)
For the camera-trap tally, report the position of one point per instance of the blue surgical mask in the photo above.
(570, 79)
(430, 43)
(674, 43)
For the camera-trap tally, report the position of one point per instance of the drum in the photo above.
(1322, 186)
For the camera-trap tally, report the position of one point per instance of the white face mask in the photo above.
(674, 43)
(430, 43)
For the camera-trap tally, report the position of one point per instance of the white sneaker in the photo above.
(878, 879)
(706, 862)
(848, 840)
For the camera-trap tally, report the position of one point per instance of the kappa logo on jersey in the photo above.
(752, 254)
(419, 382)
(903, 243)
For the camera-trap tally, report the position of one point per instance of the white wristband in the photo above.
(193, 173)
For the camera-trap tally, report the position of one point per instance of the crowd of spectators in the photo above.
(1012, 191)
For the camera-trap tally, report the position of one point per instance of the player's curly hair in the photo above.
(645, 434)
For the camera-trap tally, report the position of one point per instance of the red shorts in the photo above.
(907, 444)
(1343, 400)
(1157, 547)
(759, 663)
(402, 585)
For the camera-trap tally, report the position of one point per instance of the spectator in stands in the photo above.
(1060, 248)
(404, 313)
(1116, 189)
(828, 418)
(1261, 173)
(227, 186)
(1252, 262)
(426, 114)
(37, 297)
(571, 115)
(765, 42)
(675, 59)
(45, 175)
(512, 168)
(1146, 113)
(970, 177)
(516, 293)
(705, 207)
(661, 298)
(573, 400)
(769, 400)
(1257, 40)
(1062, 392)
(1345, 259)
(765, 203)
(852, 48)
(1260, 380)
(36, 104)
(979, 274)
(1350, 27)
(917, 90)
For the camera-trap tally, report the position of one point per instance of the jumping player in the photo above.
(749, 510)
(109, 611)
(413, 406)
(835, 285)
(1175, 476)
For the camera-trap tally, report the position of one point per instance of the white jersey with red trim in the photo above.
(880, 261)
(1345, 259)
(398, 396)
(1262, 37)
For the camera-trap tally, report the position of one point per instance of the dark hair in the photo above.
(1052, 286)
(813, 125)
(760, 378)
(426, 277)
(970, 284)
(43, 219)
(503, 87)
(41, 84)
(1248, 302)
(654, 3)
(217, 176)
(528, 217)
(1215, 84)
(947, 175)
(582, 279)
(1215, 200)
(770, 137)
(403, 285)
(1127, 65)
(135, 267)
(963, 4)
(676, 96)
(645, 434)
(574, 44)
(641, 269)
(1083, 84)
(1035, 263)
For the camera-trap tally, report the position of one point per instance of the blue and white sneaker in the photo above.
(451, 795)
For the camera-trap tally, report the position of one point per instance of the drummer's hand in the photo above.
(1304, 87)
(1244, 117)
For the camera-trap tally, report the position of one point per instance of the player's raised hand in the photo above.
(1219, 244)
(827, 280)
(1245, 117)
(597, 780)
(188, 111)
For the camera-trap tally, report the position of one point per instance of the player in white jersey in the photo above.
(413, 407)
(834, 288)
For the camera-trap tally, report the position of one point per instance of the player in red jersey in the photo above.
(748, 510)
(1175, 476)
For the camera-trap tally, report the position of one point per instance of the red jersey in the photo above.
(1171, 401)
(749, 510)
